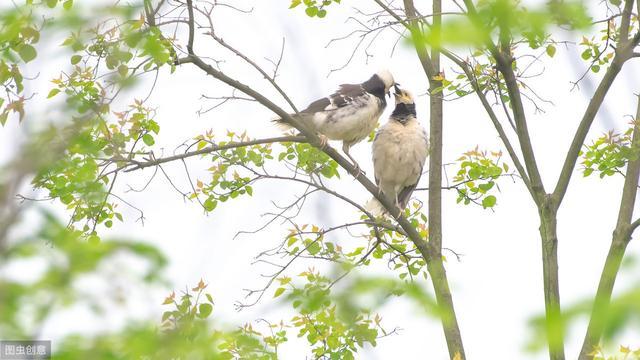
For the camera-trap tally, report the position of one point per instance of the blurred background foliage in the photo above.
(623, 315)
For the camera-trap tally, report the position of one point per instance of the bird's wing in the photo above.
(344, 96)
(317, 106)
(376, 155)
(405, 194)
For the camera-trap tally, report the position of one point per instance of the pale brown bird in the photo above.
(400, 150)
(349, 114)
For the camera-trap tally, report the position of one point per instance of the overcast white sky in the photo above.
(497, 285)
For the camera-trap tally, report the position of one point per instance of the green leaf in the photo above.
(210, 204)
(122, 70)
(53, 93)
(67, 4)
(291, 241)
(27, 52)
(551, 50)
(204, 310)
(148, 139)
(489, 201)
(75, 59)
(278, 292)
(311, 11)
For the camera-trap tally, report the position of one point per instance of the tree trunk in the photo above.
(446, 310)
(553, 322)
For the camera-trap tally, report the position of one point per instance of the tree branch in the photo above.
(494, 119)
(209, 149)
(503, 60)
(504, 66)
(191, 27)
(412, 26)
(634, 225)
(626, 19)
(583, 129)
(621, 238)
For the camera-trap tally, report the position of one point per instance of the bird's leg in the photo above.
(397, 203)
(345, 149)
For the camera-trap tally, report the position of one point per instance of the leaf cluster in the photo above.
(608, 154)
(476, 178)
(314, 8)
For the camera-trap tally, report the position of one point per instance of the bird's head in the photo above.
(387, 79)
(403, 96)
(405, 109)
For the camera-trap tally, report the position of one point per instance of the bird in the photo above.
(350, 114)
(400, 150)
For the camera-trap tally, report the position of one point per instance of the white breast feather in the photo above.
(399, 154)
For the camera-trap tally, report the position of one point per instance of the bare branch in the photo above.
(207, 150)
(191, 27)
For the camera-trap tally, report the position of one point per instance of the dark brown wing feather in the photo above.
(342, 97)
(405, 194)
(346, 94)
(317, 106)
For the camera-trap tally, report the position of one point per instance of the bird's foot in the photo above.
(323, 141)
(356, 167)
(356, 171)
(399, 208)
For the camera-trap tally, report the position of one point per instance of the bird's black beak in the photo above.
(396, 88)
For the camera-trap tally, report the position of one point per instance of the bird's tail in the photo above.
(375, 207)
(281, 124)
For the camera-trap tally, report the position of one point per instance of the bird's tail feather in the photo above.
(375, 207)
(281, 124)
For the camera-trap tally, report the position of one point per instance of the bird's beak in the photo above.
(395, 87)
(397, 93)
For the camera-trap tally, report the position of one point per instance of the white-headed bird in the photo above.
(400, 150)
(349, 114)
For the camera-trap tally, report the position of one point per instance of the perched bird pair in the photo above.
(400, 147)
